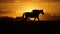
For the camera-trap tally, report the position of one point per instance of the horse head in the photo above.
(41, 11)
(38, 11)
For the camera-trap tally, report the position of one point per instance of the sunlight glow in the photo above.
(26, 7)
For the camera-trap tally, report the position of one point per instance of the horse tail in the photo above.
(23, 15)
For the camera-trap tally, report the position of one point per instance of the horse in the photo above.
(34, 14)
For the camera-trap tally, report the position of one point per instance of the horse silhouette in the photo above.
(34, 14)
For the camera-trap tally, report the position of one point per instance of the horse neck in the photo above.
(42, 13)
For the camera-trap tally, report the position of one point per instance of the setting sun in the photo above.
(27, 7)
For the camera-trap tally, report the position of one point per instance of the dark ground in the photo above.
(8, 24)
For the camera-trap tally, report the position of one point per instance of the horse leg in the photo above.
(25, 18)
(38, 19)
(34, 19)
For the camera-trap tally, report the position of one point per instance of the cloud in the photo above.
(50, 0)
(39, 0)
(4, 12)
(6, 1)
(11, 1)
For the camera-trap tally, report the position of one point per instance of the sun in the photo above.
(24, 9)
(29, 9)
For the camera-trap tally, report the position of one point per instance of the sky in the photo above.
(18, 7)
(10, 1)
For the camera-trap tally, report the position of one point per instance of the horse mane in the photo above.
(37, 11)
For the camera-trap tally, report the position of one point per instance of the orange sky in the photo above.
(18, 7)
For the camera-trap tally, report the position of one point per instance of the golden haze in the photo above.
(18, 7)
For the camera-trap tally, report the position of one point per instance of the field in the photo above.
(8, 24)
